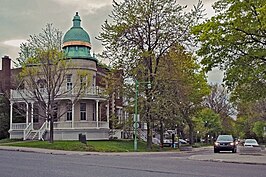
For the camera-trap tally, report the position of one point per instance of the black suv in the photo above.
(225, 143)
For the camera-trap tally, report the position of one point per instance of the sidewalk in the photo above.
(258, 158)
(242, 156)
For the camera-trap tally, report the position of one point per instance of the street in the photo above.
(25, 164)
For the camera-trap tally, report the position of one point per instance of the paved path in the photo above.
(257, 158)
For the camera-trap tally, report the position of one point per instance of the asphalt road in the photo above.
(25, 164)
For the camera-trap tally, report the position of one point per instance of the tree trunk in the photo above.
(191, 130)
(51, 140)
(161, 133)
(149, 135)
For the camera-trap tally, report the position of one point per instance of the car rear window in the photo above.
(225, 138)
(251, 141)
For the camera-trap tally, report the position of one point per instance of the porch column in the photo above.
(27, 113)
(107, 111)
(97, 113)
(73, 113)
(31, 113)
(11, 114)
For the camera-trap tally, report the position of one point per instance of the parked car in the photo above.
(251, 143)
(225, 143)
(168, 142)
(181, 141)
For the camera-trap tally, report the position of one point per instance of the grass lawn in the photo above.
(96, 146)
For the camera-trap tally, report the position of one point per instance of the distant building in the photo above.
(90, 115)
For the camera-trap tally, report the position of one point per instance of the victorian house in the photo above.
(89, 115)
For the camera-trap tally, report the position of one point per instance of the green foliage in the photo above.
(4, 117)
(258, 129)
(180, 88)
(249, 113)
(208, 123)
(243, 127)
(49, 39)
(140, 33)
(234, 40)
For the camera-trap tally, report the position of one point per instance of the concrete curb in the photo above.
(232, 158)
(62, 152)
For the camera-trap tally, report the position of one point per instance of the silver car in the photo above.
(251, 143)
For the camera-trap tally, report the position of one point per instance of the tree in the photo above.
(219, 102)
(181, 87)
(249, 113)
(208, 122)
(258, 129)
(49, 39)
(4, 117)
(140, 33)
(44, 74)
(235, 41)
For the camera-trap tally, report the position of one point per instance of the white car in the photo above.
(251, 143)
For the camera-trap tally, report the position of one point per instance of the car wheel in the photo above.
(216, 151)
(234, 151)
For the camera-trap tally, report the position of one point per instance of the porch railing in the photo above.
(59, 125)
(23, 93)
(103, 124)
(27, 131)
(42, 130)
(81, 124)
(19, 126)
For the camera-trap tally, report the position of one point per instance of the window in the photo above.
(82, 111)
(82, 82)
(93, 81)
(93, 113)
(69, 82)
(69, 113)
(118, 95)
(41, 84)
(35, 113)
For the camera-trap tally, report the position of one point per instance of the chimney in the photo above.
(6, 64)
(6, 73)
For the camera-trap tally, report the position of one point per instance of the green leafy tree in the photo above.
(249, 113)
(258, 129)
(4, 117)
(181, 87)
(49, 39)
(234, 40)
(140, 33)
(208, 122)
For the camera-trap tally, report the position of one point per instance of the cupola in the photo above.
(76, 41)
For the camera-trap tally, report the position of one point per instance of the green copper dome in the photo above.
(76, 33)
(76, 42)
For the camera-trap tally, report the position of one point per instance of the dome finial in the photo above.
(76, 20)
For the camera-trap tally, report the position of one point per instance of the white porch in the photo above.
(62, 130)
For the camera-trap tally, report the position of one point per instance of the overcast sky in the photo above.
(21, 18)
